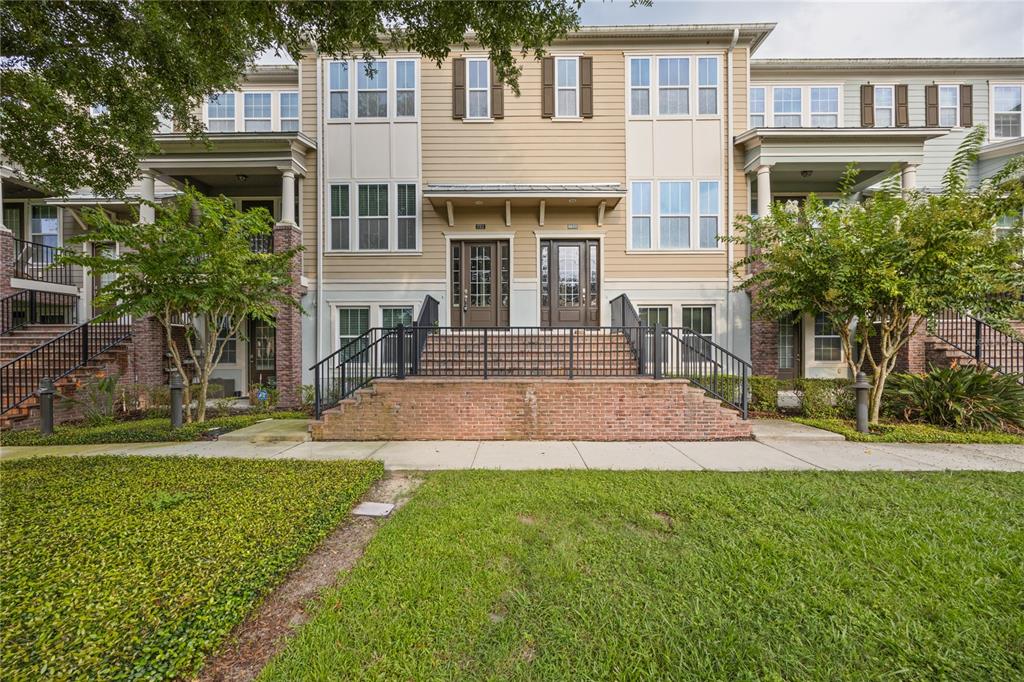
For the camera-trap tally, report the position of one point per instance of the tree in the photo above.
(142, 59)
(882, 268)
(195, 262)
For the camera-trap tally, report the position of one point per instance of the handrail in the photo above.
(39, 262)
(30, 306)
(720, 372)
(365, 358)
(980, 341)
(58, 357)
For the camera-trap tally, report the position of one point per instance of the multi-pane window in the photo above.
(757, 110)
(708, 214)
(338, 88)
(352, 323)
(1006, 121)
(373, 216)
(567, 87)
(640, 86)
(405, 87)
(699, 319)
(640, 206)
(674, 215)
(256, 111)
(786, 104)
(787, 343)
(372, 90)
(45, 225)
(652, 315)
(828, 347)
(220, 113)
(392, 316)
(478, 92)
(1005, 224)
(407, 216)
(673, 86)
(228, 344)
(949, 106)
(884, 106)
(707, 85)
(340, 239)
(289, 111)
(824, 107)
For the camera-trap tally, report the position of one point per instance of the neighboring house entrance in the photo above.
(569, 283)
(790, 348)
(262, 353)
(480, 283)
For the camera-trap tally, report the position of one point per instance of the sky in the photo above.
(827, 28)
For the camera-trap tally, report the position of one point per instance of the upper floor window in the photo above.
(757, 108)
(405, 87)
(372, 90)
(220, 113)
(640, 86)
(257, 111)
(567, 92)
(675, 225)
(338, 88)
(1005, 224)
(709, 214)
(387, 217)
(373, 217)
(289, 111)
(885, 103)
(824, 107)
(407, 216)
(478, 92)
(949, 105)
(640, 209)
(674, 218)
(339, 222)
(707, 85)
(1006, 111)
(45, 225)
(786, 103)
(673, 86)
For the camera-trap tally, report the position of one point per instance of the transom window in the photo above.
(405, 87)
(220, 113)
(884, 106)
(687, 216)
(673, 86)
(1006, 111)
(372, 90)
(786, 103)
(824, 107)
(567, 71)
(640, 86)
(478, 92)
(707, 85)
(373, 217)
(828, 346)
(257, 111)
(289, 111)
(338, 88)
(949, 106)
(340, 237)
(757, 109)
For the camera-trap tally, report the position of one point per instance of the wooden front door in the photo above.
(480, 283)
(570, 283)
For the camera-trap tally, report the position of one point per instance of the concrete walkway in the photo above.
(780, 446)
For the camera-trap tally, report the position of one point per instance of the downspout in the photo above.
(731, 255)
(319, 206)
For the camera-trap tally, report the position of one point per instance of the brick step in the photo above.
(527, 358)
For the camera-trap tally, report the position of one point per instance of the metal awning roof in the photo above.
(526, 190)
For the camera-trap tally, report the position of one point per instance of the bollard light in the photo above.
(46, 393)
(177, 389)
(862, 386)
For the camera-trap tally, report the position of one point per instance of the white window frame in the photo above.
(234, 112)
(331, 217)
(413, 89)
(353, 218)
(387, 215)
(806, 114)
(709, 336)
(716, 87)
(1004, 224)
(415, 216)
(645, 88)
(955, 107)
(31, 207)
(764, 106)
(817, 336)
(717, 215)
(396, 306)
(649, 215)
(799, 113)
(336, 315)
(486, 89)
(688, 215)
(269, 119)
(576, 88)
(688, 86)
(280, 110)
(379, 65)
(655, 215)
(347, 90)
(993, 112)
(892, 108)
(667, 307)
(811, 113)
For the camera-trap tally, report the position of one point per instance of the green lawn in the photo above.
(118, 568)
(150, 430)
(600, 575)
(910, 433)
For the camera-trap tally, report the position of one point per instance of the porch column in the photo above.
(288, 196)
(764, 190)
(909, 177)
(148, 347)
(146, 213)
(288, 321)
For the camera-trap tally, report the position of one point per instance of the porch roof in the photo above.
(182, 155)
(597, 195)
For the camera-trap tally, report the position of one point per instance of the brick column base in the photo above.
(146, 362)
(288, 346)
(764, 347)
(6, 261)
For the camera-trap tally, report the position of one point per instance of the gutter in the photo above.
(731, 253)
(319, 298)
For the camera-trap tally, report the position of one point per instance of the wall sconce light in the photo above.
(805, 173)
(242, 177)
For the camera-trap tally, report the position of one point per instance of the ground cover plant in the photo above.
(149, 430)
(117, 568)
(655, 576)
(905, 432)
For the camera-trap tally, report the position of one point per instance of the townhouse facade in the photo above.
(618, 169)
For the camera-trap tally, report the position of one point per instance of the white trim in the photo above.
(486, 90)
(280, 106)
(955, 107)
(655, 216)
(805, 105)
(992, 109)
(269, 120)
(693, 85)
(576, 88)
(353, 217)
(353, 91)
(892, 108)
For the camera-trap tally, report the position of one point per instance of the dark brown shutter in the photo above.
(931, 106)
(547, 81)
(497, 95)
(902, 107)
(587, 87)
(966, 106)
(867, 106)
(458, 88)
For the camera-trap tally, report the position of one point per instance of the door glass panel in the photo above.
(505, 270)
(593, 274)
(569, 275)
(456, 274)
(787, 337)
(263, 351)
(545, 276)
(480, 268)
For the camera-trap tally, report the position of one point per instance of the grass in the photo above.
(149, 430)
(117, 568)
(651, 576)
(909, 433)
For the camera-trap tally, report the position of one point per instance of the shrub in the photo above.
(825, 398)
(959, 397)
(764, 394)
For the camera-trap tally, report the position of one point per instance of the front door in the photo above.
(790, 344)
(262, 353)
(480, 283)
(570, 289)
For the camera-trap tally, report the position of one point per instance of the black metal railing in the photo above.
(624, 315)
(682, 352)
(19, 378)
(262, 243)
(361, 360)
(39, 262)
(36, 307)
(985, 344)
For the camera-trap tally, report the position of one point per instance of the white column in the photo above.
(909, 177)
(288, 197)
(147, 214)
(764, 190)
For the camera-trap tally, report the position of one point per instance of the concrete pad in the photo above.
(373, 509)
(427, 454)
(775, 429)
(327, 450)
(522, 454)
(741, 455)
(1013, 452)
(271, 431)
(623, 455)
(958, 457)
(849, 456)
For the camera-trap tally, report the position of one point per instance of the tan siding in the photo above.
(308, 124)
